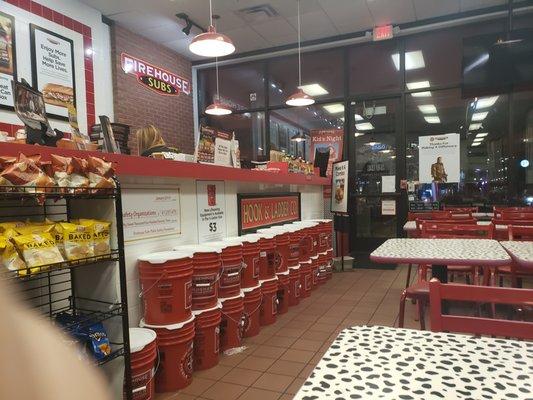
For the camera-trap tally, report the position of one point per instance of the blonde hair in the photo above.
(148, 137)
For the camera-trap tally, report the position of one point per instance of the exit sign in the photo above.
(382, 32)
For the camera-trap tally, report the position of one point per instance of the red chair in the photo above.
(478, 325)
(498, 210)
(460, 209)
(519, 233)
(411, 216)
(502, 234)
(517, 215)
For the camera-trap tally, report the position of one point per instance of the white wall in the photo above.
(101, 58)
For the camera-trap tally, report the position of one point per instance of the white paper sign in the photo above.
(148, 213)
(211, 201)
(222, 152)
(6, 91)
(339, 187)
(388, 207)
(439, 158)
(388, 183)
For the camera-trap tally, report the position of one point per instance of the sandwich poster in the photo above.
(7, 59)
(53, 70)
(439, 158)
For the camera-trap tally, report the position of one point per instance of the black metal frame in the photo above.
(242, 196)
(14, 55)
(51, 289)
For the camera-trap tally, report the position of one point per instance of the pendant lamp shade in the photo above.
(218, 108)
(299, 137)
(212, 44)
(299, 99)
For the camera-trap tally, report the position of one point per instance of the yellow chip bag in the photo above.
(101, 236)
(77, 240)
(57, 234)
(4, 226)
(9, 256)
(38, 250)
(34, 228)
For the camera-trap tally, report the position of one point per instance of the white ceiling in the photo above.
(320, 18)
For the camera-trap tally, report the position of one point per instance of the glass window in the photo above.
(523, 129)
(241, 86)
(484, 145)
(288, 122)
(374, 68)
(249, 129)
(322, 76)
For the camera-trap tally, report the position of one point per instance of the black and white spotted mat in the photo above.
(389, 363)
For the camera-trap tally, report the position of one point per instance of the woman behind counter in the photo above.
(150, 141)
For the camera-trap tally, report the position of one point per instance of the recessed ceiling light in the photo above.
(358, 117)
(427, 109)
(413, 60)
(421, 94)
(480, 135)
(335, 108)
(480, 139)
(476, 144)
(475, 127)
(313, 89)
(386, 151)
(365, 126)
(417, 85)
(486, 102)
(371, 143)
(480, 116)
(357, 134)
(432, 119)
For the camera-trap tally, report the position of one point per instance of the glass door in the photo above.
(374, 194)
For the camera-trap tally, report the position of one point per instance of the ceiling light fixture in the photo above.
(335, 108)
(480, 135)
(485, 102)
(478, 139)
(299, 137)
(365, 126)
(357, 134)
(211, 43)
(218, 108)
(421, 94)
(480, 116)
(413, 60)
(313, 89)
(299, 98)
(358, 117)
(475, 144)
(417, 85)
(475, 127)
(427, 109)
(432, 119)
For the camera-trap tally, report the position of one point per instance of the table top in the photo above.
(390, 363)
(483, 252)
(411, 225)
(521, 252)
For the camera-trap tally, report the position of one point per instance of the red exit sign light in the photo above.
(383, 32)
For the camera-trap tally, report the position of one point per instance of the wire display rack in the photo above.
(61, 287)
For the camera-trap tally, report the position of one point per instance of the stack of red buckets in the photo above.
(203, 299)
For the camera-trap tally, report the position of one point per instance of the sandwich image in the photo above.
(58, 95)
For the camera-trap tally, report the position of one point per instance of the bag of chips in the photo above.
(69, 171)
(100, 167)
(4, 226)
(9, 256)
(35, 227)
(99, 342)
(27, 172)
(77, 240)
(101, 236)
(38, 250)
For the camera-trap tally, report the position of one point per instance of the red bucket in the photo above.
(207, 266)
(230, 275)
(306, 278)
(166, 286)
(295, 286)
(329, 266)
(284, 284)
(250, 256)
(315, 265)
(269, 301)
(267, 256)
(231, 327)
(252, 304)
(322, 267)
(175, 345)
(293, 258)
(143, 351)
(206, 338)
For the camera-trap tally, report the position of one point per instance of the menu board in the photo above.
(7, 60)
(339, 187)
(52, 60)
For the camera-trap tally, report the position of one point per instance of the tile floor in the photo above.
(275, 363)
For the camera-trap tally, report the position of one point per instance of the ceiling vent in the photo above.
(258, 13)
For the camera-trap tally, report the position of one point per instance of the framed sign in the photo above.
(260, 210)
(52, 65)
(339, 187)
(211, 206)
(8, 60)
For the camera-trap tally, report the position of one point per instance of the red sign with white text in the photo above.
(258, 211)
(327, 140)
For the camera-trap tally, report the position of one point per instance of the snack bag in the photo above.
(69, 171)
(38, 250)
(99, 342)
(77, 240)
(39, 227)
(57, 234)
(9, 257)
(99, 182)
(26, 172)
(4, 226)
(101, 236)
(100, 167)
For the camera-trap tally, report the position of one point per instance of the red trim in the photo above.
(143, 166)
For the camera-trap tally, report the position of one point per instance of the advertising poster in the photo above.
(327, 141)
(439, 158)
(149, 213)
(53, 70)
(263, 210)
(211, 210)
(214, 147)
(339, 183)
(7, 60)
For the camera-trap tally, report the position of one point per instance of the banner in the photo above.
(331, 141)
(211, 205)
(7, 59)
(339, 190)
(258, 211)
(439, 158)
(154, 78)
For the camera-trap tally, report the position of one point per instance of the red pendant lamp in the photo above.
(299, 98)
(211, 43)
(218, 108)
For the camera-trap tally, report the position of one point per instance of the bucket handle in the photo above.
(141, 294)
(244, 312)
(139, 389)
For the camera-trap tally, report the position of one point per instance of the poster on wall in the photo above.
(339, 187)
(211, 202)
(52, 62)
(150, 213)
(8, 59)
(329, 140)
(439, 158)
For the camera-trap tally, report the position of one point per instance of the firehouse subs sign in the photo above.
(262, 210)
(155, 78)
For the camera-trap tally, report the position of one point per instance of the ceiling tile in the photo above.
(428, 9)
(275, 28)
(346, 13)
(137, 21)
(246, 39)
(165, 33)
(392, 12)
(467, 5)
(314, 25)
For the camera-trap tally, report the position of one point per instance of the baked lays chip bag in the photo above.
(9, 256)
(77, 240)
(39, 250)
(101, 236)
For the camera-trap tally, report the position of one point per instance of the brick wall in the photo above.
(136, 105)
